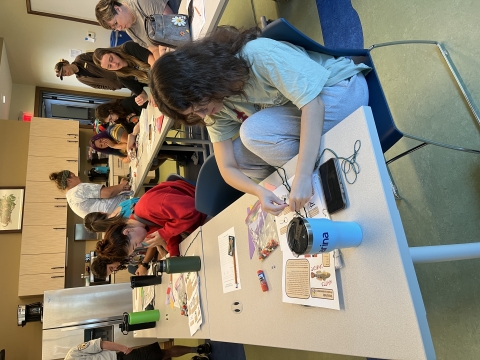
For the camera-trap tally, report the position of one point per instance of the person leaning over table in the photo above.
(121, 111)
(131, 63)
(99, 349)
(170, 206)
(84, 198)
(128, 15)
(277, 96)
(100, 222)
(88, 73)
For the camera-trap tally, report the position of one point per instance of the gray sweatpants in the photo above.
(272, 135)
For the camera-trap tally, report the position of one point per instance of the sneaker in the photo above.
(200, 357)
(204, 349)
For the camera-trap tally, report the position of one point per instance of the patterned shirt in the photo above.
(91, 350)
(85, 198)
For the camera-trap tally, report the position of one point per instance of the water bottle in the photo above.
(183, 264)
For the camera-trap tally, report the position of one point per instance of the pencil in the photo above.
(198, 12)
(235, 268)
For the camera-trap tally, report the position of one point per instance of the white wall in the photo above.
(5, 82)
(35, 43)
(23, 99)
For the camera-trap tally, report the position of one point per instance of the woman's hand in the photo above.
(302, 191)
(154, 239)
(271, 203)
(141, 270)
(128, 350)
(110, 143)
(141, 99)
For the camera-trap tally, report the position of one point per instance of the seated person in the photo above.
(137, 263)
(99, 349)
(88, 73)
(84, 198)
(117, 140)
(168, 209)
(124, 111)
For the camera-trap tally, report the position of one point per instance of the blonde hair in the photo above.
(134, 67)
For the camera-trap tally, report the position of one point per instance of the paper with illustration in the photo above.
(307, 279)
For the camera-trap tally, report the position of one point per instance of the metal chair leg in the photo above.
(450, 65)
(396, 194)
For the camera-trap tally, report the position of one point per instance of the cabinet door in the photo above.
(42, 264)
(44, 239)
(45, 214)
(44, 191)
(54, 128)
(65, 147)
(30, 285)
(39, 168)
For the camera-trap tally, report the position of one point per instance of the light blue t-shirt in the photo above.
(280, 72)
(126, 207)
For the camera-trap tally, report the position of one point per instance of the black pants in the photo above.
(148, 352)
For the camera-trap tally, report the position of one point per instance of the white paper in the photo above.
(198, 18)
(309, 279)
(229, 281)
(195, 319)
(75, 52)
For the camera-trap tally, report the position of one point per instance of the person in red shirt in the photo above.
(163, 216)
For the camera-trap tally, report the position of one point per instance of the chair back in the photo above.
(175, 177)
(213, 194)
(388, 133)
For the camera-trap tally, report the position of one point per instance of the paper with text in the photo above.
(307, 279)
(228, 264)
(195, 319)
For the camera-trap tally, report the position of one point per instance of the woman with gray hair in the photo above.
(129, 15)
(84, 198)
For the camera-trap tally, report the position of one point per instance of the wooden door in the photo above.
(30, 285)
(54, 128)
(45, 214)
(44, 191)
(42, 264)
(44, 239)
(40, 168)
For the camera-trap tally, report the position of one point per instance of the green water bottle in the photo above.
(183, 264)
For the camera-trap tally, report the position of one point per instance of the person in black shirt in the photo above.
(88, 73)
(131, 62)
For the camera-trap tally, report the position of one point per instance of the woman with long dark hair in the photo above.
(119, 111)
(279, 97)
(131, 62)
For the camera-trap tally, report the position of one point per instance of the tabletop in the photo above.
(381, 314)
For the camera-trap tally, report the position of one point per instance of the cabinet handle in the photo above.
(72, 160)
(72, 134)
(53, 277)
(60, 206)
(59, 228)
(58, 267)
(72, 141)
(60, 198)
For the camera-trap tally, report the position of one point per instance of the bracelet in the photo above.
(145, 265)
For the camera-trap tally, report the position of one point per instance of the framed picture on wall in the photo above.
(67, 10)
(11, 208)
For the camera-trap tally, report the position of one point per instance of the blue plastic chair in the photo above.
(388, 132)
(213, 194)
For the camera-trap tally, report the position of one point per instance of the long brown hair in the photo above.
(115, 243)
(100, 263)
(200, 72)
(113, 107)
(134, 64)
(99, 222)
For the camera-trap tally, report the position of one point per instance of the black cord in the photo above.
(348, 164)
(287, 186)
(191, 242)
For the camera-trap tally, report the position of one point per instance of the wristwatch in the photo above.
(145, 265)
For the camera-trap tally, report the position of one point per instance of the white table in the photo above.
(382, 312)
(213, 12)
(172, 324)
(144, 163)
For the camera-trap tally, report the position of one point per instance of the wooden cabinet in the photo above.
(44, 191)
(42, 264)
(54, 128)
(30, 285)
(56, 235)
(53, 146)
